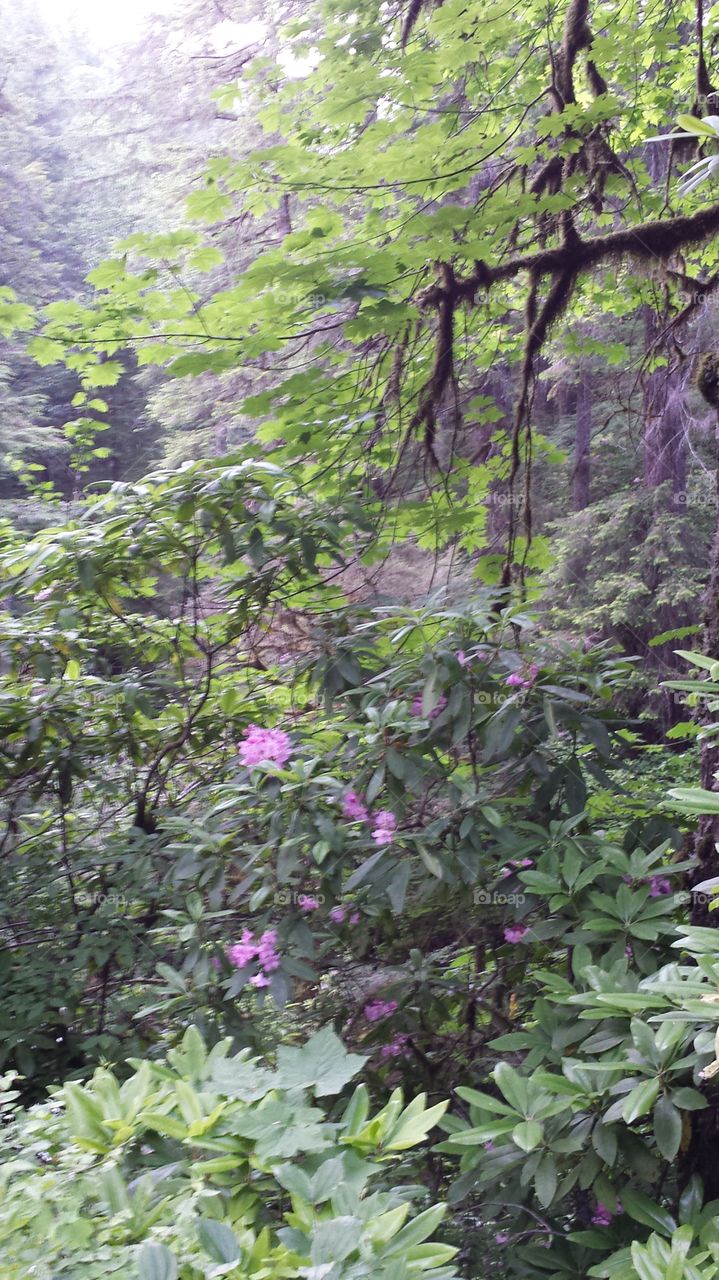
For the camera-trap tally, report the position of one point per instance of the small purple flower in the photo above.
(386, 823)
(501, 1237)
(337, 915)
(266, 954)
(355, 917)
(353, 808)
(602, 1216)
(243, 952)
(523, 680)
(395, 1046)
(377, 1009)
(259, 980)
(307, 903)
(659, 885)
(462, 658)
(515, 932)
(437, 709)
(381, 836)
(386, 819)
(516, 680)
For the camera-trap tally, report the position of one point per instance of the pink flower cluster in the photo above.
(515, 933)
(386, 823)
(523, 680)
(355, 810)
(377, 1009)
(339, 914)
(265, 746)
(603, 1216)
(262, 949)
(659, 885)
(436, 710)
(396, 1046)
(307, 903)
(464, 659)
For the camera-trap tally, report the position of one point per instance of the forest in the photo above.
(359, 640)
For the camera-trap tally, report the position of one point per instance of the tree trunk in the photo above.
(582, 445)
(665, 454)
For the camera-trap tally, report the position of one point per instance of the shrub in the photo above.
(215, 1165)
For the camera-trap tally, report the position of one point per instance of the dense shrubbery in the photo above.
(264, 829)
(388, 834)
(217, 1165)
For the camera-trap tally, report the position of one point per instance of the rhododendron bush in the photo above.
(413, 830)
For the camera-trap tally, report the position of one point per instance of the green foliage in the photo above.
(450, 852)
(215, 1165)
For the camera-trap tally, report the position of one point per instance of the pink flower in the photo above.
(337, 915)
(395, 1046)
(381, 835)
(259, 980)
(377, 1009)
(628, 951)
(215, 962)
(489, 1145)
(307, 903)
(436, 710)
(243, 952)
(265, 746)
(266, 954)
(601, 1216)
(659, 885)
(355, 917)
(515, 932)
(386, 823)
(501, 1237)
(517, 680)
(353, 808)
(462, 658)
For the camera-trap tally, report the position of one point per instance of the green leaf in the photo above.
(646, 1267)
(545, 1180)
(322, 1064)
(527, 1135)
(155, 1262)
(648, 1212)
(513, 1086)
(667, 1127)
(640, 1100)
(218, 1240)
